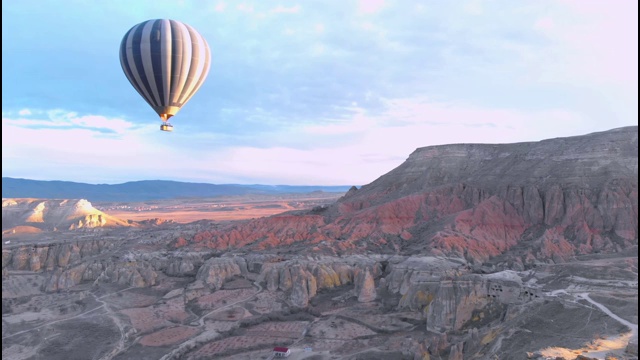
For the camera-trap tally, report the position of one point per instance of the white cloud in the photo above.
(598, 44)
(245, 7)
(353, 151)
(501, 71)
(378, 143)
(286, 10)
(323, 49)
(67, 119)
(58, 149)
(358, 123)
(370, 6)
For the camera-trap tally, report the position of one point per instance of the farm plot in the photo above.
(157, 316)
(131, 299)
(173, 310)
(222, 297)
(169, 336)
(287, 329)
(168, 283)
(261, 354)
(235, 344)
(232, 314)
(339, 329)
(265, 302)
(320, 345)
(145, 319)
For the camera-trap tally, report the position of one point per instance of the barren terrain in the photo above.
(239, 306)
(467, 251)
(217, 209)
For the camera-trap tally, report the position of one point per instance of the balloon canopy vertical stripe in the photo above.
(166, 62)
(129, 65)
(199, 63)
(155, 60)
(134, 54)
(166, 58)
(147, 60)
(181, 54)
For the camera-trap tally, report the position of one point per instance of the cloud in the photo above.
(370, 6)
(357, 123)
(81, 147)
(314, 153)
(286, 10)
(599, 44)
(248, 8)
(351, 95)
(62, 119)
(375, 144)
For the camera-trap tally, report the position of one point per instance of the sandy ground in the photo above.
(221, 209)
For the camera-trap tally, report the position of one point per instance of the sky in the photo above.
(309, 92)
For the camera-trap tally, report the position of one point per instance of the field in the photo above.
(217, 209)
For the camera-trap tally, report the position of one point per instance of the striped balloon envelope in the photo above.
(166, 61)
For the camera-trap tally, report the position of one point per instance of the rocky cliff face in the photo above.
(516, 203)
(302, 278)
(441, 288)
(133, 273)
(215, 271)
(68, 264)
(49, 257)
(71, 263)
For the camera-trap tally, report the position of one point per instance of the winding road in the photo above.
(611, 345)
(200, 323)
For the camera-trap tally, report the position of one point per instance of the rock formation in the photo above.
(544, 201)
(53, 255)
(53, 215)
(215, 271)
(304, 277)
(475, 250)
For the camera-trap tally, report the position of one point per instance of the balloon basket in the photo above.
(166, 127)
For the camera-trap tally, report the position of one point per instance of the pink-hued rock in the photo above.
(548, 200)
(365, 286)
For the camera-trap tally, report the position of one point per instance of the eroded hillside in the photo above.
(514, 251)
(36, 215)
(528, 202)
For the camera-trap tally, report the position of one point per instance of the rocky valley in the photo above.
(464, 251)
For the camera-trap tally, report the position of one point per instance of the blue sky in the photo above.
(309, 92)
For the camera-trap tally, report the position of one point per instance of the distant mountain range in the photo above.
(144, 190)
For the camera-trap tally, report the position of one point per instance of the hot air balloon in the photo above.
(166, 61)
